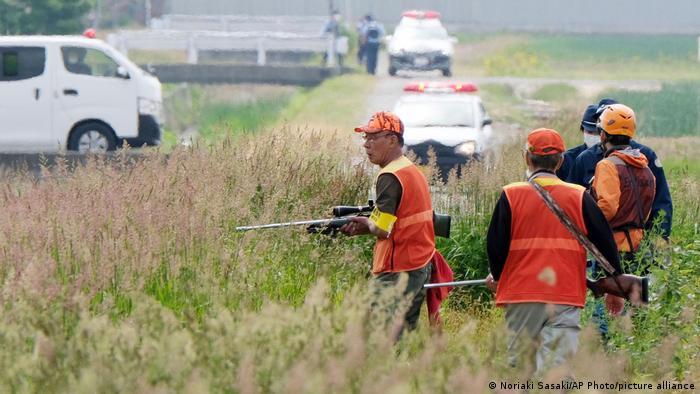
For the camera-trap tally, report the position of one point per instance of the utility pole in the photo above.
(349, 14)
(148, 13)
(98, 15)
(332, 54)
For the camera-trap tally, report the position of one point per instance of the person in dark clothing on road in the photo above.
(362, 39)
(373, 32)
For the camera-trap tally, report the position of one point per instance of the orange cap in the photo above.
(382, 121)
(543, 142)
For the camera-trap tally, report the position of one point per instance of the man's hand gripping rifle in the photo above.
(342, 215)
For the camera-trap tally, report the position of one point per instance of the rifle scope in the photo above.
(345, 210)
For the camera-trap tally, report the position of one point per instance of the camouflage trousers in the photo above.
(401, 291)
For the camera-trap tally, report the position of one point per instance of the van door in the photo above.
(25, 99)
(89, 86)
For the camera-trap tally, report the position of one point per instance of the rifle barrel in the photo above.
(455, 284)
(321, 222)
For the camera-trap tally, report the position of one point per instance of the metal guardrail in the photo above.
(195, 41)
(195, 33)
(306, 25)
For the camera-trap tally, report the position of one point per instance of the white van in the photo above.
(74, 93)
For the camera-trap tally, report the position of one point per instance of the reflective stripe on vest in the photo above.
(545, 263)
(411, 243)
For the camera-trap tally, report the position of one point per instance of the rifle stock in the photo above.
(442, 224)
(633, 288)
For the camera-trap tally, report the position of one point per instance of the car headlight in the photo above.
(149, 107)
(466, 149)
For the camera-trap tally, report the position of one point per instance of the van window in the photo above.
(88, 61)
(17, 63)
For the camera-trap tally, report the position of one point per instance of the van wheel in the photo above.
(92, 138)
(446, 72)
(392, 71)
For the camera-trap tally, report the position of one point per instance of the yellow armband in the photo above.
(383, 221)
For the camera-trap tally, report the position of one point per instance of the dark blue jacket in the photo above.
(569, 159)
(583, 170)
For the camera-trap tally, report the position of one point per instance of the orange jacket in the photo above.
(624, 188)
(411, 244)
(545, 263)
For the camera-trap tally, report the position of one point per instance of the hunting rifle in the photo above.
(631, 287)
(342, 215)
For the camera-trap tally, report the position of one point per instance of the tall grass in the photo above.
(128, 276)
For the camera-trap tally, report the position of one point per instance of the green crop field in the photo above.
(127, 275)
(671, 112)
(672, 57)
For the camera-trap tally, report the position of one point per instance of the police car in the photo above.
(449, 117)
(420, 43)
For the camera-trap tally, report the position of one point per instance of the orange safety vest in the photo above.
(545, 263)
(411, 244)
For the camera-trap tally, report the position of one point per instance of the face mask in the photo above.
(591, 139)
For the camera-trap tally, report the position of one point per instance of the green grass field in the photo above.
(596, 57)
(672, 112)
(128, 276)
(240, 118)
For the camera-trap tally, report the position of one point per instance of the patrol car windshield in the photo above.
(441, 113)
(421, 33)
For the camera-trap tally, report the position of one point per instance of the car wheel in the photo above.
(92, 138)
(446, 72)
(392, 71)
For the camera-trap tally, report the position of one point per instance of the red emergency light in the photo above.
(90, 33)
(440, 87)
(421, 14)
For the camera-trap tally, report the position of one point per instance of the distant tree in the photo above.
(43, 16)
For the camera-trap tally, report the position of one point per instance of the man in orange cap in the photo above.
(538, 268)
(402, 219)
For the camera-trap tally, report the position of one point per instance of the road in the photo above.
(388, 89)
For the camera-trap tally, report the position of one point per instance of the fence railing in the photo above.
(195, 41)
(262, 34)
(305, 25)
